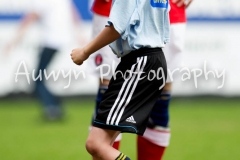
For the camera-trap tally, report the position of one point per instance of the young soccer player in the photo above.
(137, 31)
(157, 135)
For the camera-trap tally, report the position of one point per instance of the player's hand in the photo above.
(107, 0)
(78, 56)
(181, 3)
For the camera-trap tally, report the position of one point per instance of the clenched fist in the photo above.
(78, 56)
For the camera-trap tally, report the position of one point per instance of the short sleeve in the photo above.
(121, 13)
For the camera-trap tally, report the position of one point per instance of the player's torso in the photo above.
(56, 21)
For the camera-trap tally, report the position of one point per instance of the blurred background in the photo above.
(205, 106)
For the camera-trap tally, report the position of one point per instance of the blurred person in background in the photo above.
(152, 144)
(56, 19)
(157, 135)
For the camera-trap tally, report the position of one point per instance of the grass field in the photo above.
(202, 129)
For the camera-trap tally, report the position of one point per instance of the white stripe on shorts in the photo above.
(126, 91)
(132, 91)
(139, 61)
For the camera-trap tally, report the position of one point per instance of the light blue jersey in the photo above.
(141, 23)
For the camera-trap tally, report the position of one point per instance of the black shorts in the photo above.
(133, 91)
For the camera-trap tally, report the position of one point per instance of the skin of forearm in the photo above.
(108, 35)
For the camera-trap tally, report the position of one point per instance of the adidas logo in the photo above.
(131, 119)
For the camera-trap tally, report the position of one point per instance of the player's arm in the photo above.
(125, 8)
(180, 3)
(108, 35)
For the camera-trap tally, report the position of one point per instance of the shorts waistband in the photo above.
(142, 52)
